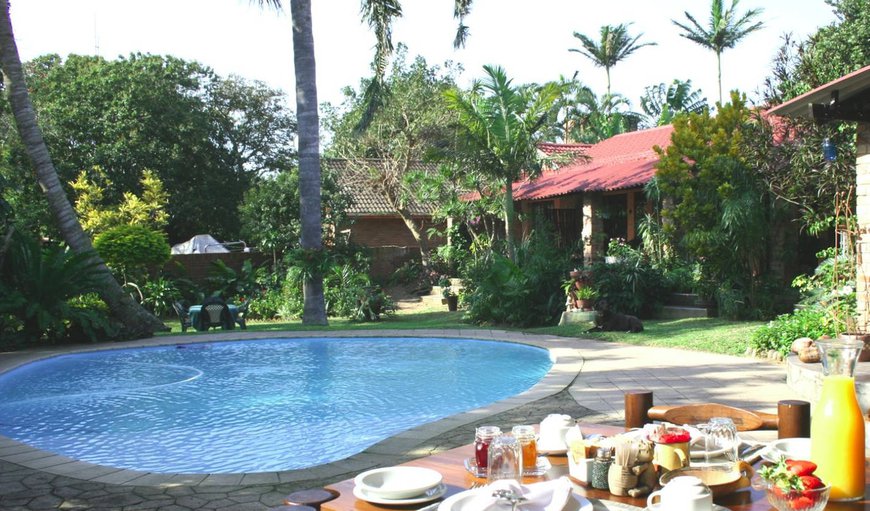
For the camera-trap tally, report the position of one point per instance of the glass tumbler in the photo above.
(721, 443)
(505, 459)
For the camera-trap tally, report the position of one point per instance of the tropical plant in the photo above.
(660, 103)
(614, 45)
(499, 125)
(159, 294)
(147, 209)
(726, 28)
(38, 283)
(226, 282)
(135, 320)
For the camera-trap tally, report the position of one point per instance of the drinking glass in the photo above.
(505, 459)
(720, 443)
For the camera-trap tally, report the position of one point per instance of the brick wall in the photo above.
(387, 232)
(196, 267)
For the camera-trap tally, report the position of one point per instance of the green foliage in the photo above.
(779, 334)
(158, 296)
(614, 45)
(266, 305)
(661, 103)
(38, 285)
(228, 283)
(270, 215)
(148, 210)
(205, 137)
(525, 293)
(720, 213)
(630, 284)
(132, 250)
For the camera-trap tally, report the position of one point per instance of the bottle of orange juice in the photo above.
(837, 428)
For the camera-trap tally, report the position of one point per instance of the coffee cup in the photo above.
(671, 456)
(684, 493)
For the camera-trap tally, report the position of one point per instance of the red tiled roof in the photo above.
(622, 161)
(550, 148)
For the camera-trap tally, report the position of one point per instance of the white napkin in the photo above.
(545, 496)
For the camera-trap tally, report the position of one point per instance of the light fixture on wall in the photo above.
(829, 150)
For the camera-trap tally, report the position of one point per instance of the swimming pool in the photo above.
(253, 406)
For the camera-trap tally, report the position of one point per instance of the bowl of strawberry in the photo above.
(791, 486)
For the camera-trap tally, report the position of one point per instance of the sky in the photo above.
(529, 39)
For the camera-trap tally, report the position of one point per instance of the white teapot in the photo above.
(552, 432)
(684, 493)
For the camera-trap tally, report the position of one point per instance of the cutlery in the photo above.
(752, 453)
(510, 496)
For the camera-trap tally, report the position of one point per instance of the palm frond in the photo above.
(461, 9)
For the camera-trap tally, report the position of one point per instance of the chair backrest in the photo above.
(215, 312)
(180, 309)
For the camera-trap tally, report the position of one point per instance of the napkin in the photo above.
(546, 496)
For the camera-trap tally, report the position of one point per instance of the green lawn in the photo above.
(703, 334)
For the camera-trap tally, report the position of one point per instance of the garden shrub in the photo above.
(158, 295)
(266, 305)
(526, 293)
(779, 334)
(132, 250)
(631, 285)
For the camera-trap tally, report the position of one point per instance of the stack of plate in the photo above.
(399, 485)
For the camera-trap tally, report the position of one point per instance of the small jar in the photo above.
(525, 435)
(482, 438)
(600, 468)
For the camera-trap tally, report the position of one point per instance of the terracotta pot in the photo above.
(584, 304)
(865, 338)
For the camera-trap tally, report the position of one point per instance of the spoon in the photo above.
(511, 497)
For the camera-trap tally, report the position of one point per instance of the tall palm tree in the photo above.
(615, 45)
(724, 31)
(500, 126)
(379, 14)
(135, 320)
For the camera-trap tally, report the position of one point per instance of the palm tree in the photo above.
(500, 126)
(661, 103)
(379, 14)
(615, 45)
(137, 322)
(725, 30)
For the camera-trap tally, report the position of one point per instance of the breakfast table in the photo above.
(451, 465)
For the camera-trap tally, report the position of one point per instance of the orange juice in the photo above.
(837, 433)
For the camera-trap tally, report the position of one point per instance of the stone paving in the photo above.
(588, 380)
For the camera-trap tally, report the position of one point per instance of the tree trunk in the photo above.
(509, 219)
(419, 237)
(314, 311)
(719, 70)
(136, 322)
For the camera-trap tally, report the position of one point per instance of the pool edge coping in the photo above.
(564, 353)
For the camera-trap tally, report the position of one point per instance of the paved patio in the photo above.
(588, 380)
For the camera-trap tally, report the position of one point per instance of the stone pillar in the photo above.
(862, 250)
(592, 229)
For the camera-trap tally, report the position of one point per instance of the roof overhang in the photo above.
(844, 99)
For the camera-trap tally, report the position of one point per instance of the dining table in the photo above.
(195, 310)
(451, 465)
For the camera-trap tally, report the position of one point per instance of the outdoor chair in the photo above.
(791, 420)
(183, 315)
(215, 313)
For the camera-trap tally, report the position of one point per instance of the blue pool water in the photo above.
(251, 406)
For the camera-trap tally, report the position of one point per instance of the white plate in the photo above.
(432, 494)
(697, 451)
(794, 448)
(459, 502)
(398, 482)
(716, 507)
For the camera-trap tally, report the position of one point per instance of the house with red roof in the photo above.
(599, 195)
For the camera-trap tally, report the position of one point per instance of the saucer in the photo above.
(431, 494)
(540, 469)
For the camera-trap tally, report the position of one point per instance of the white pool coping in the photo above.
(564, 353)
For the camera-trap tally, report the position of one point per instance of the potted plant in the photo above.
(585, 297)
(448, 294)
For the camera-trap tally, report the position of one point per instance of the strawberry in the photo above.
(811, 482)
(800, 467)
(801, 503)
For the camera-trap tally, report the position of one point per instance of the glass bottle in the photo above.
(600, 468)
(837, 427)
(482, 438)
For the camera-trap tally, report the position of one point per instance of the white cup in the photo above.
(684, 493)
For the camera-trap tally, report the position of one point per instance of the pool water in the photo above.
(253, 406)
